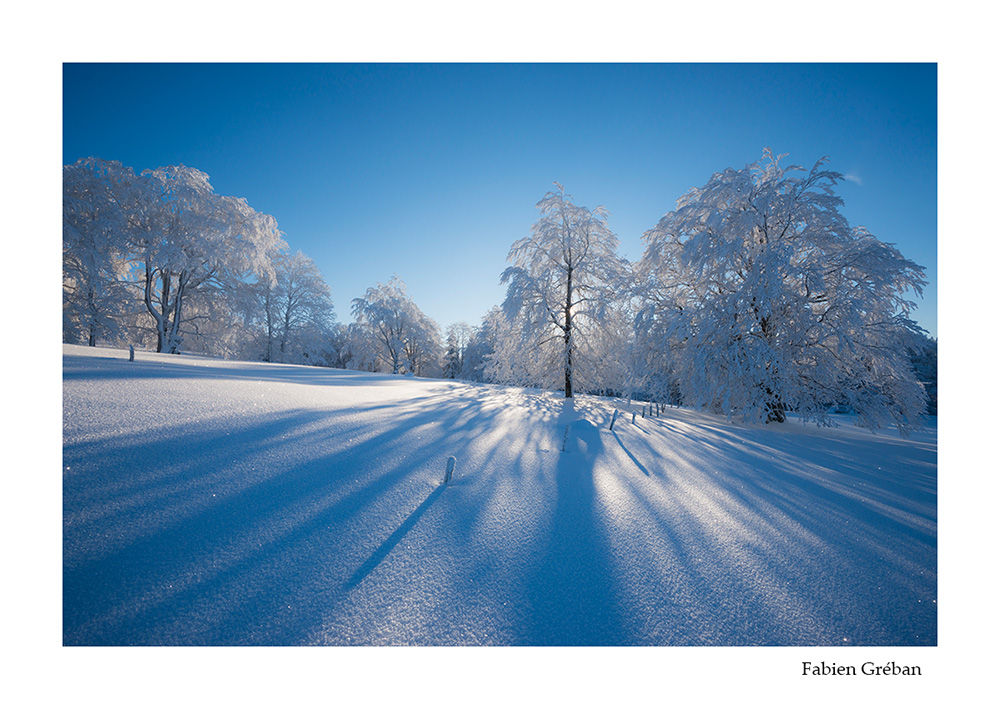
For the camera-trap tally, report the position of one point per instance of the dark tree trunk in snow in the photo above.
(568, 336)
(775, 409)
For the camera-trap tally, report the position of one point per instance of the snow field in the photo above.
(228, 503)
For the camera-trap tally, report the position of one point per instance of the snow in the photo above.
(210, 502)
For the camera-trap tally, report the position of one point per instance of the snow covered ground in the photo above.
(208, 502)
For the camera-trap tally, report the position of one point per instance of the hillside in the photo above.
(211, 502)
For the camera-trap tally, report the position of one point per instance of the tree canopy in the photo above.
(765, 300)
(754, 296)
(560, 285)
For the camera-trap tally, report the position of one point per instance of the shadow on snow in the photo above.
(332, 526)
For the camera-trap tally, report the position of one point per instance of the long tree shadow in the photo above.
(570, 593)
(222, 532)
(825, 540)
(325, 524)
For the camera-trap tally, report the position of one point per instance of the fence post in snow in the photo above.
(449, 468)
(614, 418)
(633, 417)
(131, 353)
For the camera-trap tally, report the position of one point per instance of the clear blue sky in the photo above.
(432, 171)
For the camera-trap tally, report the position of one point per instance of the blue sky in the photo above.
(432, 171)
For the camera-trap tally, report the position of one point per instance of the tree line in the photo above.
(754, 297)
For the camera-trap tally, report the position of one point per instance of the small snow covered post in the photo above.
(633, 417)
(131, 353)
(449, 468)
(614, 417)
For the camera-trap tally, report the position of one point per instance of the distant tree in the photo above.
(766, 300)
(358, 348)
(457, 339)
(392, 333)
(296, 302)
(452, 357)
(422, 347)
(652, 370)
(158, 258)
(512, 358)
(479, 349)
(562, 279)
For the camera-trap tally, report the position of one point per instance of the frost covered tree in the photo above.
(392, 334)
(452, 357)
(422, 347)
(295, 303)
(96, 296)
(479, 347)
(155, 258)
(766, 300)
(458, 336)
(561, 280)
(192, 244)
(923, 356)
(513, 357)
(651, 368)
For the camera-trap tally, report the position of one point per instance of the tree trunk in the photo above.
(568, 332)
(158, 318)
(569, 368)
(174, 342)
(775, 409)
(269, 322)
(774, 406)
(92, 327)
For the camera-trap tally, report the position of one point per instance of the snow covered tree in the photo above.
(513, 357)
(193, 243)
(457, 339)
(923, 356)
(422, 346)
(96, 297)
(452, 357)
(652, 375)
(765, 300)
(154, 258)
(392, 333)
(297, 301)
(479, 348)
(358, 350)
(559, 285)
